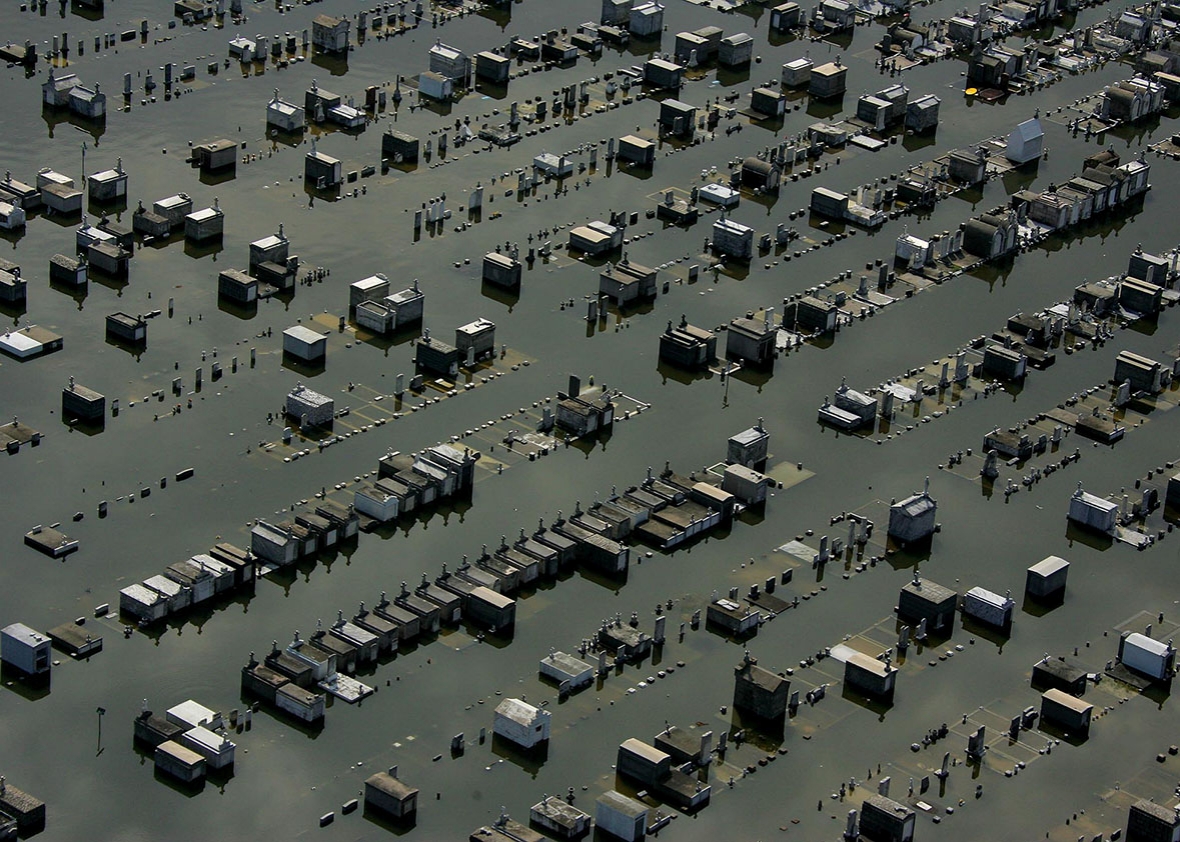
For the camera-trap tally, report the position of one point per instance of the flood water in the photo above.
(85, 767)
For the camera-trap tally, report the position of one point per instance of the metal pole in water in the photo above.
(100, 711)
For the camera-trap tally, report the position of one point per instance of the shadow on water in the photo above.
(324, 194)
(1087, 537)
(347, 549)
(729, 76)
(764, 734)
(875, 705)
(753, 11)
(779, 39)
(1019, 178)
(406, 522)
(28, 687)
(401, 166)
(1158, 693)
(284, 577)
(497, 640)
(324, 558)
(384, 342)
(337, 65)
(638, 46)
(971, 195)
(442, 108)
(906, 558)
(1138, 404)
(596, 260)
(992, 634)
(598, 441)
(188, 790)
(728, 636)
(825, 109)
(1054, 730)
(637, 171)
(935, 640)
(301, 367)
(398, 827)
(918, 142)
(102, 209)
(135, 349)
(196, 617)
(54, 118)
(13, 236)
(761, 121)
(86, 428)
(530, 760)
(443, 511)
(757, 377)
(78, 293)
(680, 375)
(242, 311)
(221, 176)
(491, 90)
(611, 583)
(766, 200)
(219, 778)
(751, 516)
(86, 12)
(1035, 607)
(993, 271)
(159, 243)
(826, 225)
(501, 295)
(14, 310)
(1146, 326)
(114, 282)
(64, 220)
(625, 311)
(498, 14)
(281, 138)
(211, 247)
(1011, 387)
(1137, 133)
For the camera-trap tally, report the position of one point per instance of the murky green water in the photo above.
(285, 779)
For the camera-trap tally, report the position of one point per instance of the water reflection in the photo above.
(56, 118)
